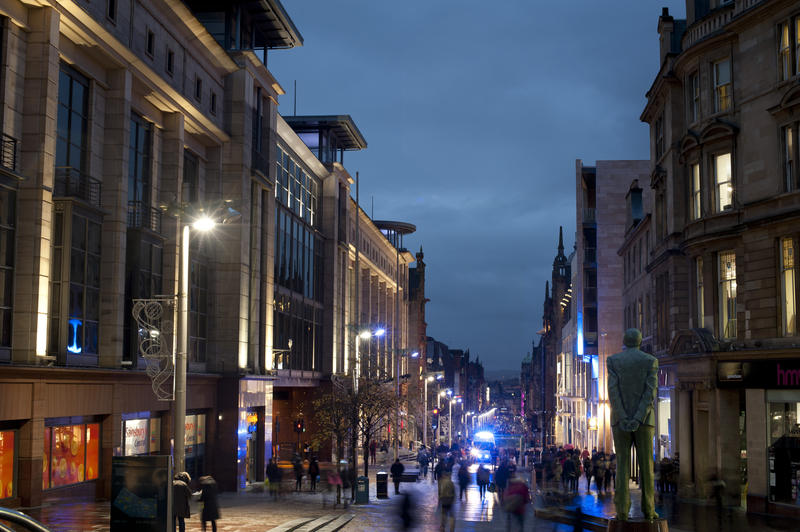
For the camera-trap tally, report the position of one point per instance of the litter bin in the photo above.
(362, 490)
(382, 485)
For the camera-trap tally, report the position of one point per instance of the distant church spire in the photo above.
(546, 289)
(560, 240)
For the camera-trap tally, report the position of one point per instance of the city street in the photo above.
(257, 512)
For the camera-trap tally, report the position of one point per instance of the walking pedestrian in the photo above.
(210, 499)
(599, 471)
(569, 471)
(298, 473)
(274, 478)
(181, 494)
(313, 473)
(463, 479)
(587, 468)
(483, 476)
(515, 502)
(501, 477)
(447, 496)
(397, 474)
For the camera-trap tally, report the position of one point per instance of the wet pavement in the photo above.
(257, 511)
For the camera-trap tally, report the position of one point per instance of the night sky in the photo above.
(474, 113)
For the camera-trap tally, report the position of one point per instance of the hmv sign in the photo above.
(767, 374)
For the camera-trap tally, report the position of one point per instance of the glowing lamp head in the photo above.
(415, 354)
(364, 335)
(429, 379)
(475, 452)
(204, 223)
(379, 332)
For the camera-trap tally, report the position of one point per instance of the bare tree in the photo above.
(333, 416)
(377, 403)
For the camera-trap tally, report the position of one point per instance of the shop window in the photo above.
(727, 295)
(141, 436)
(195, 444)
(7, 439)
(789, 286)
(72, 454)
(784, 452)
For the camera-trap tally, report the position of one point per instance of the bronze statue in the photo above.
(632, 389)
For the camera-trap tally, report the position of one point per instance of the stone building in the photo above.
(723, 112)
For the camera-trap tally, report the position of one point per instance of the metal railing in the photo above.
(713, 22)
(144, 216)
(8, 152)
(71, 182)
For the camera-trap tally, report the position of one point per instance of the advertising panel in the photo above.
(137, 437)
(6, 464)
(141, 488)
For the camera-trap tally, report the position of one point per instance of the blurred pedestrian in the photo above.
(515, 502)
(273, 477)
(483, 476)
(612, 470)
(407, 511)
(373, 451)
(501, 478)
(569, 471)
(181, 495)
(313, 473)
(447, 496)
(298, 473)
(210, 499)
(335, 485)
(397, 474)
(463, 479)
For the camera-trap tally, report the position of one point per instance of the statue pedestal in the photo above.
(637, 525)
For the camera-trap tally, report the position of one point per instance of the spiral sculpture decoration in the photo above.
(154, 320)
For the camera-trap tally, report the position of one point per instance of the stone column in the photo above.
(170, 188)
(31, 451)
(727, 452)
(35, 197)
(114, 199)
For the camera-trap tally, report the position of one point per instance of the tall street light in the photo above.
(429, 377)
(204, 223)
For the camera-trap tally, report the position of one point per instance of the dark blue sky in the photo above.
(474, 113)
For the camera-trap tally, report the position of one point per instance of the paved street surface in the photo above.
(257, 512)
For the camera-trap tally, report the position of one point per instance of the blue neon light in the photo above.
(595, 366)
(580, 333)
(74, 324)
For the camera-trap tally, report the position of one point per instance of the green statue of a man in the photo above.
(632, 388)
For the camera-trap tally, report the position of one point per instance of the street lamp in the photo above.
(429, 377)
(203, 223)
(362, 335)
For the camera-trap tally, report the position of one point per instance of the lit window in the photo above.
(695, 186)
(784, 52)
(722, 85)
(727, 294)
(724, 182)
(701, 302)
(788, 286)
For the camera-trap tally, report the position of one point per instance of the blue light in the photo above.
(580, 333)
(74, 324)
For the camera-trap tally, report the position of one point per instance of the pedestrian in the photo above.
(210, 499)
(612, 469)
(501, 477)
(298, 473)
(407, 511)
(273, 477)
(335, 486)
(313, 473)
(397, 474)
(515, 501)
(569, 471)
(463, 479)
(447, 496)
(422, 459)
(587, 468)
(599, 471)
(438, 470)
(181, 495)
(483, 477)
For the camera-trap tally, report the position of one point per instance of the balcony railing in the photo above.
(71, 182)
(141, 215)
(709, 24)
(8, 152)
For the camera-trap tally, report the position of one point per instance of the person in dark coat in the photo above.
(397, 474)
(313, 473)
(181, 494)
(210, 499)
(501, 477)
(463, 479)
(298, 473)
(274, 477)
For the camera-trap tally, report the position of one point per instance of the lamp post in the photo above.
(441, 394)
(450, 423)
(202, 224)
(429, 377)
(361, 335)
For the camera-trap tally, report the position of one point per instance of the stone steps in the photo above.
(337, 524)
(288, 526)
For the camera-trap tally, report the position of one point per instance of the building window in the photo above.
(639, 314)
(139, 162)
(727, 294)
(8, 223)
(659, 136)
(151, 42)
(789, 134)
(784, 52)
(695, 191)
(694, 97)
(75, 286)
(789, 286)
(191, 177)
(722, 85)
(111, 10)
(213, 103)
(198, 310)
(198, 89)
(170, 61)
(724, 181)
(73, 119)
(699, 294)
(71, 455)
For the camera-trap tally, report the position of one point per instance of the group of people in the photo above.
(566, 466)
(182, 494)
(666, 474)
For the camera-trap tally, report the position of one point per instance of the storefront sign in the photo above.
(137, 437)
(766, 374)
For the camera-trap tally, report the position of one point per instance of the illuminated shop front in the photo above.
(141, 435)
(664, 447)
(7, 463)
(195, 441)
(71, 454)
